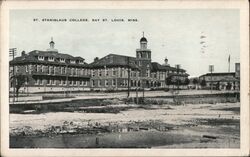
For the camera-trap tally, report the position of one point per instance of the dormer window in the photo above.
(51, 58)
(72, 61)
(81, 62)
(41, 58)
(62, 60)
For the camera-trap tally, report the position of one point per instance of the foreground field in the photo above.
(199, 126)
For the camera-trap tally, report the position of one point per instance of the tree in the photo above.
(186, 81)
(203, 83)
(19, 81)
(195, 82)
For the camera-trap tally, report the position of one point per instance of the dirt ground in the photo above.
(220, 121)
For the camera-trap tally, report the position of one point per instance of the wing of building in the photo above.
(51, 71)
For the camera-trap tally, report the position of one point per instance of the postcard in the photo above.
(123, 78)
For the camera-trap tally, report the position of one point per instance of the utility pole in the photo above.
(128, 78)
(143, 91)
(12, 53)
(229, 58)
(178, 78)
(211, 69)
(67, 81)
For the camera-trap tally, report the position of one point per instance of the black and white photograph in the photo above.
(124, 79)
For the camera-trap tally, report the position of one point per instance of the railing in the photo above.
(58, 74)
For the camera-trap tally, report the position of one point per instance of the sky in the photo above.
(193, 38)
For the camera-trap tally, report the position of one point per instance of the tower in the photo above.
(51, 43)
(52, 46)
(143, 57)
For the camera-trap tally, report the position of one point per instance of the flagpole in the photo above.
(229, 63)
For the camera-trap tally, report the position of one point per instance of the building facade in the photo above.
(222, 81)
(51, 71)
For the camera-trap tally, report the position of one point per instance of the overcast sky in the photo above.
(175, 34)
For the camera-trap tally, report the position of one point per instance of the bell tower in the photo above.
(52, 46)
(143, 57)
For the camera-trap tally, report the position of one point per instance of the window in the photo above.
(100, 72)
(62, 60)
(106, 83)
(113, 72)
(54, 70)
(26, 68)
(61, 70)
(139, 62)
(139, 55)
(75, 82)
(41, 82)
(80, 61)
(106, 72)
(37, 68)
(40, 58)
(85, 83)
(42, 68)
(37, 81)
(93, 82)
(51, 59)
(125, 82)
(72, 61)
(99, 83)
(65, 70)
(53, 81)
(148, 73)
(114, 82)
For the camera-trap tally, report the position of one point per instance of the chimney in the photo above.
(166, 61)
(23, 53)
(96, 59)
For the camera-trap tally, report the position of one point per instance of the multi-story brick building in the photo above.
(50, 70)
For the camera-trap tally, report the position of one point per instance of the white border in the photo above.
(219, 4)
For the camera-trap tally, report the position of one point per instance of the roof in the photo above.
(219, 74)
(114, 60)
(158, 67)
(176, 74)
(143, 39)
(31, 57)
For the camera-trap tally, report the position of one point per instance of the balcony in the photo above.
(57, 74)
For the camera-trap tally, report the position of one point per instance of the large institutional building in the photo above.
(51, 71)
